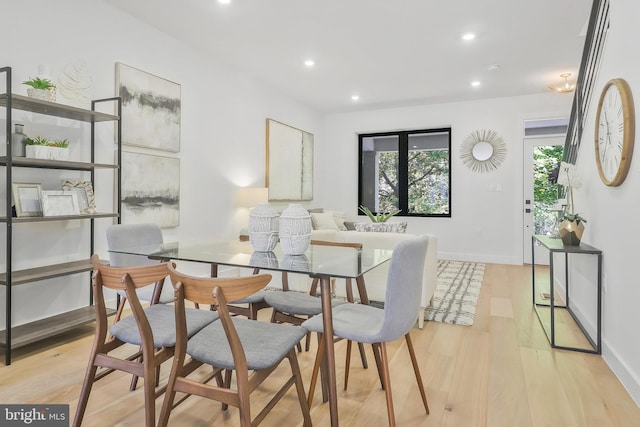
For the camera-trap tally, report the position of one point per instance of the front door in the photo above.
(541, 155)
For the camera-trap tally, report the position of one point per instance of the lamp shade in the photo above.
(249, 197)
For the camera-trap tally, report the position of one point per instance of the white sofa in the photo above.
(376, 279)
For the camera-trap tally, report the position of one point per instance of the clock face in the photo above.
(614, 132)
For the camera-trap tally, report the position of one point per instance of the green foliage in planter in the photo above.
(41, 140)
(567, 216)
(62, 143)
(37, 140)
(380, 216)
(38, 83)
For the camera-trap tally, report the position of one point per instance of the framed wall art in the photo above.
(59, 203)
(26, 197)
(150, 189)
(150, 109)
(84, 193)
(289, 162)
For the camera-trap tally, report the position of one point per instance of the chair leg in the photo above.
(387, 384)
(86, 390)
(376, 356)
(295, 370)
(316, 368)
(347, 364)
(363, 356)
(227, 385)
(150, 396)
(416, 369)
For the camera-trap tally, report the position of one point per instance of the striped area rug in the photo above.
(456, 295)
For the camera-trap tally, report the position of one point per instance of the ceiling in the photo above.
(390, 53)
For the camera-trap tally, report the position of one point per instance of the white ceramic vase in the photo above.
(295, 230)
(263, 228)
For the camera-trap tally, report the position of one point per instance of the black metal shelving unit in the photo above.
(14, 337)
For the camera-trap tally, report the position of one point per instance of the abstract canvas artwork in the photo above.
(150, 189)
(150, 109)
(289, 162)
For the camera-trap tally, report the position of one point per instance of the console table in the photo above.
(555, 245)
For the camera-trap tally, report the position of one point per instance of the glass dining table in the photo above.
(324, 262)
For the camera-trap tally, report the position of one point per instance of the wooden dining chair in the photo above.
(367, 324)
(151, 328)
(251, 348)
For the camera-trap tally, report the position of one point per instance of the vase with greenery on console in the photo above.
(571, 225)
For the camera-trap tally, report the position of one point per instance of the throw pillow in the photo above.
(339, 218)
(323, 221)
(382, 227)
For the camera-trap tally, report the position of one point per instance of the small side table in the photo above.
(555, 245)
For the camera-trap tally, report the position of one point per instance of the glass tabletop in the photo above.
(318, 260)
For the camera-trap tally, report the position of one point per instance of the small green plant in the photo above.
(380, 216)
(38, 83)
(62, 143)
(567, 216)
(37, 140)
(41, 140)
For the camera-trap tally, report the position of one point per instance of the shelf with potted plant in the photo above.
(41, 266)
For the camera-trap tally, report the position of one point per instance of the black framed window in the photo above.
(406, 170)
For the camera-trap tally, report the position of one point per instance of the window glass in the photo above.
(406, 170)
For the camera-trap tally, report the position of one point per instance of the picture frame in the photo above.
(84, 190)
(150, 189)
(151, 109)
(59, 203)
(289, 162)
(27, 199)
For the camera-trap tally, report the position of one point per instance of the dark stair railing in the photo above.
(593, 46)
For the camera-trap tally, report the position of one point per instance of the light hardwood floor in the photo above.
(498, 372)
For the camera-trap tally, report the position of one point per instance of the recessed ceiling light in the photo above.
(468, 36)
(475, 83)
(224, 1)
(309, 63)
(355, 97)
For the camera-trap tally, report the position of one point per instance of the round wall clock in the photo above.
(615, 132)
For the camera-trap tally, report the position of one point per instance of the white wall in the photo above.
(612, 212)
(222, 138)
(485, 225)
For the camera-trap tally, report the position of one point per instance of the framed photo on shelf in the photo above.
(59, 203)
(84, 192)
(26, 197)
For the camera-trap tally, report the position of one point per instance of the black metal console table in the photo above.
(554, 245)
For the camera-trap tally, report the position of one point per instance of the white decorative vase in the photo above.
(295, 230)
(263, 228)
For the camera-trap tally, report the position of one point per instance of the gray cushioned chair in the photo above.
(252, 349)
(367, 324)
(152, 328)
(122, 236)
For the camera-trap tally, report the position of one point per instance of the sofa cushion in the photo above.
(323, 221)
(382, 227)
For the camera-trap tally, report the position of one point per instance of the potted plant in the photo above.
(380, 216)
(41, 88)
(571, 225)
(40, 147)
(378, 221)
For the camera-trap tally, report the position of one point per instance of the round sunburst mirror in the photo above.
(483, 150)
